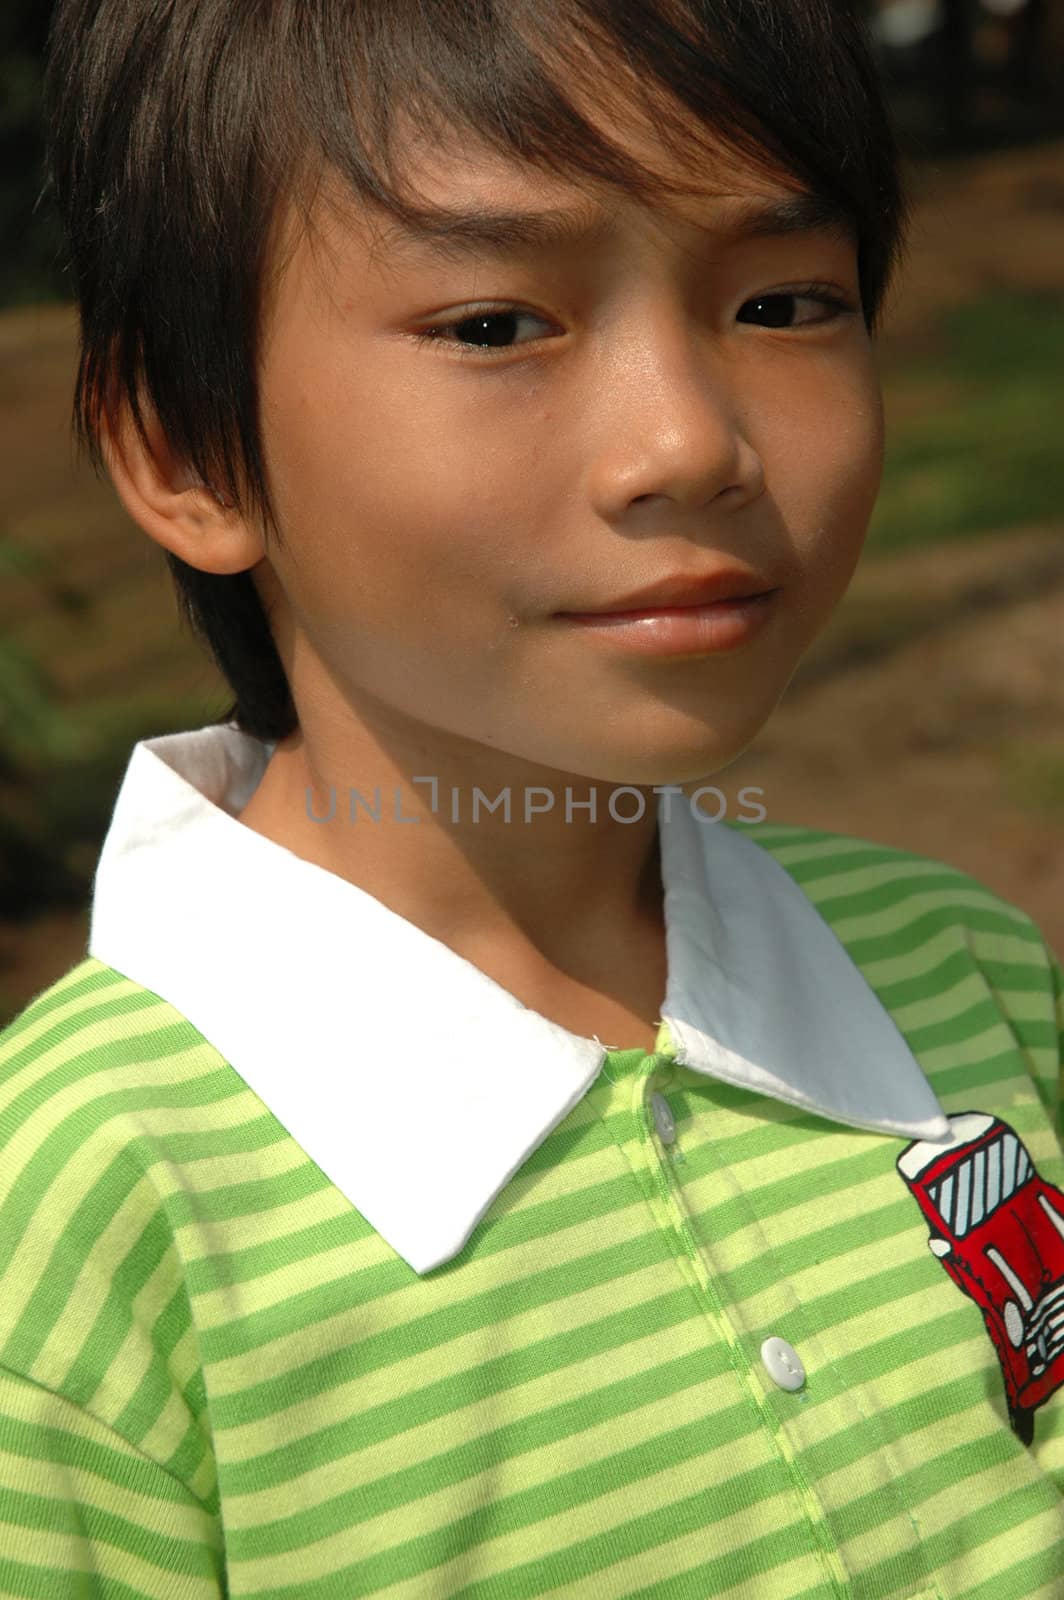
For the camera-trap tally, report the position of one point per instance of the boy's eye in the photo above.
(831, 303)
(496, 325)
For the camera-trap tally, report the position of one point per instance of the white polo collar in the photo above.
(422, 1116)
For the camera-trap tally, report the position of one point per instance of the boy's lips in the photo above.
(721, 626)
(682, 590)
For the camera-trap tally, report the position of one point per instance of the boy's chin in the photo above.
(674, 770)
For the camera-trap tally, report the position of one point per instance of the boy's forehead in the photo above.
(479, 200)
(432, 164)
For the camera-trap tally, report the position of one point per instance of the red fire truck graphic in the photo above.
(998, 1229)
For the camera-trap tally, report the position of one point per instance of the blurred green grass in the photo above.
(1035, 775)
(980, 443)
(56, 801)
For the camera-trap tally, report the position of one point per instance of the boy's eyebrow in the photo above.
(485, 231)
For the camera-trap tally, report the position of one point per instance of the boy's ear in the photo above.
(169, 501)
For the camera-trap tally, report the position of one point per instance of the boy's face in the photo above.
(439, 510)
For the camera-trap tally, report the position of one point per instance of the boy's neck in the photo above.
(566, 915)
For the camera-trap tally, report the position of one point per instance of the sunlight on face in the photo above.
(463, 444)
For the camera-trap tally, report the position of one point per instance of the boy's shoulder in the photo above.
(93, 1071)
(944, 953)
(86, 1063)
(102, 1083)
(87, 1007)
(97, 1071)
(847, 876)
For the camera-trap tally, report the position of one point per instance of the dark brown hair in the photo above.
(177, 126)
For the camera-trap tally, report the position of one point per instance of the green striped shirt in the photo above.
(703, 1340)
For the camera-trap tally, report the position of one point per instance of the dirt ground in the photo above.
(930, 715)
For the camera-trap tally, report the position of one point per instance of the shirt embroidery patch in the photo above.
(998, 1230)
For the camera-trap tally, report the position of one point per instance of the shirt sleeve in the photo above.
(85, 1513)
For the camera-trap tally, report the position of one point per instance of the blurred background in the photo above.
(930, 714)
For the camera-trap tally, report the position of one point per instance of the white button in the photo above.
(663, 1119)
(782, 1363)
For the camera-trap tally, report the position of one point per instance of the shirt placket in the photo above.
(837, 1462)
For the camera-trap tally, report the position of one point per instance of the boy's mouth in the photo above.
(692, 630)
(683, 591)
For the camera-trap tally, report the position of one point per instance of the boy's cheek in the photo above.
(829, 529)
(845, 427)
(846, 453)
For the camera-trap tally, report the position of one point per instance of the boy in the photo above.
(458, 1166)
